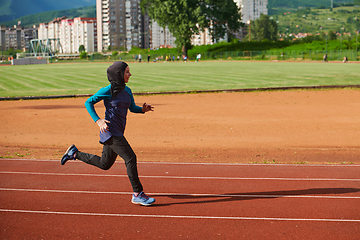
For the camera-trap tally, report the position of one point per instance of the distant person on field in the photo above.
(118, 99)
(139, 58)
(325, 58)
(148, 58)
(345, 60)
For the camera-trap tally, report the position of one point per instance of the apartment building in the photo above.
(66, 35)
(83, 33)
(17, 37)
(71, 33)
(202, 38)
(161, 37)
(43, 30)
(10, 38)
(121, 25)
(50, 30)
(252, 9)
(29, 34)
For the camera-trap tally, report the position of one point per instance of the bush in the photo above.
(83, 55)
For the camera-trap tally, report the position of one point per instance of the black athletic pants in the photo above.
(112, 148)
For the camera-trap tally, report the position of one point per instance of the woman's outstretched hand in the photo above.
(147, 107)
(102, 123)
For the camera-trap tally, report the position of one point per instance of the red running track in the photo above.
(40, 199)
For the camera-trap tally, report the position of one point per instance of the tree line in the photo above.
(184, 18)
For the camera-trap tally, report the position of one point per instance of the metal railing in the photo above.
(271, 55)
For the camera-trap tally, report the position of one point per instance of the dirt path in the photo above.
(255, 127)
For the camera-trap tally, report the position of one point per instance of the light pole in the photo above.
(356, 36)
(249, 22)
(327, 32)
(340, 25)
(356, 45)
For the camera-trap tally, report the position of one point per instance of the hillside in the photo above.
(303, 3)
(13, 9)
(293, 16)
(339, 19)
(280, 6)
(35, 19)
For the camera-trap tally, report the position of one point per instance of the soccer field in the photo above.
(87, 78)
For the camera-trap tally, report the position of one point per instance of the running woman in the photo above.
(117, 98)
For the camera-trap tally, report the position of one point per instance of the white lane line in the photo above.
(200, 163)
(179, 216)
(181, 194)
(181, 177)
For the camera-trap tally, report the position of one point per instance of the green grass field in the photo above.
(87, 78)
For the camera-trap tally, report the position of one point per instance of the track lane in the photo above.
(75, 226)
(217, 206)
(186, 205)
(190, 169)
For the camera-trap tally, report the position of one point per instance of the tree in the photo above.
(332, 35)
(187, 17)
(265, 28)
(11, 52)
(81, 48)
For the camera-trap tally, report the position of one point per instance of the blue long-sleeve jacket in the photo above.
(116, 110)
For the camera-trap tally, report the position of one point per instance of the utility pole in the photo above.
(356, 49)
(356, 34)
(340, 25)
(249, 29)
(250, 20)
(327, 32)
